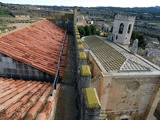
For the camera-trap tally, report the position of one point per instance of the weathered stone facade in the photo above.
(130, 92)
(122, 29)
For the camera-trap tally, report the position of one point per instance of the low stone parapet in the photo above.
(85, 74)
(80, 47)
(82, 59)
(91, 107)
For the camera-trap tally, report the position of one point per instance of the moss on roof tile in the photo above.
(90, 99)
(85, 70)
(82, 55)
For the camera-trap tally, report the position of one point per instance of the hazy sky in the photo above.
(88, 3)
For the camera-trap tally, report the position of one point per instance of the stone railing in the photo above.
(89, 103)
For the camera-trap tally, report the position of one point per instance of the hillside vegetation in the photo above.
(4, 12)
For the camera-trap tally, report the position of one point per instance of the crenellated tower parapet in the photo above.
(122, 29)
(125, 18)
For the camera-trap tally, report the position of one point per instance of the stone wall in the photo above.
(122, 95)
(125, 96)
(11, 68)
(89, 103)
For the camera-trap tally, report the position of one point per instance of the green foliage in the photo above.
(5, 13)
(105, 34)
(98, 32)
(138, 35)
(1, 21)
(82, 31)
(88, 30)
(2, 29)
(93, 29)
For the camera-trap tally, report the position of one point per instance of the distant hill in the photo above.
(148, 9)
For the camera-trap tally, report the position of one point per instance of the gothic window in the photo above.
(129, 28)
(121, 27)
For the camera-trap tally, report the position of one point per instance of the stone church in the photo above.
(127, 85)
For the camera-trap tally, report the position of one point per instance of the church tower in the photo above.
(122, 29)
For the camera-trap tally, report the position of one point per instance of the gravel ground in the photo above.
(66, 106)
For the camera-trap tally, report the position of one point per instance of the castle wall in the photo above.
(11, 68)
(90, 107)
(95, 69)
(96, 74)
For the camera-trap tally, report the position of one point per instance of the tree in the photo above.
(98, 32)
(93, 29)
(138, 35)
(88, 30)
(105, 34)
(141, 16)
(82, 31)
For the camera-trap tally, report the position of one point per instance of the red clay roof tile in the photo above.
(27, 100)
(37, 45)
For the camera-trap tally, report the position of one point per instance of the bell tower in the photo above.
(122, 29)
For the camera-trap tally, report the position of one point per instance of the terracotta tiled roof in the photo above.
(26, 100)
(37, 45)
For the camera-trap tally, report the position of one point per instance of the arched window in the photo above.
(121, 28)
(116, 37)
(112, 39)
(129, 28)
